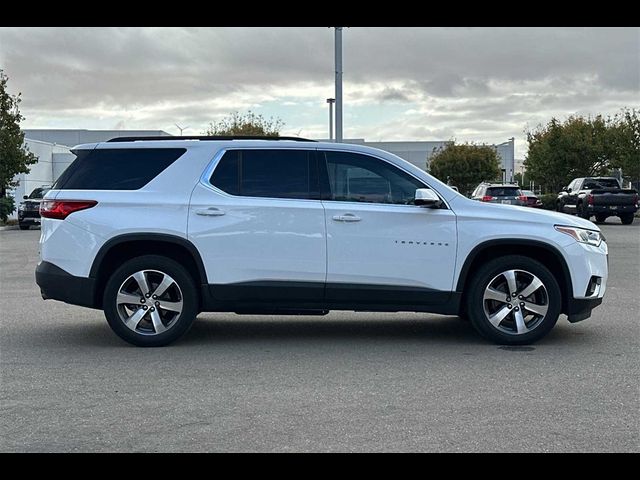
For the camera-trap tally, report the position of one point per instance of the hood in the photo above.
(518, 214)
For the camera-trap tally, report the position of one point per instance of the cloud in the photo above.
(486, 81)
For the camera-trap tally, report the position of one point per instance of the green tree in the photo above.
(246, 124)
(624, 140)
(582, 147)
(15, 158)
(465, 166)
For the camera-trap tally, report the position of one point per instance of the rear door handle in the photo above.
(347, 217)
(210, 212)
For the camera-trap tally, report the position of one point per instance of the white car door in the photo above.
(381, 248)
(259, 224)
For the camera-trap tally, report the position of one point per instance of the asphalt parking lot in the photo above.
(344, 382)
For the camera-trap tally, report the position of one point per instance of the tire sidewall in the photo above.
(489, 271)
(184, 280)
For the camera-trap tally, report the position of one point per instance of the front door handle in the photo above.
(347, 217)
(210, 212)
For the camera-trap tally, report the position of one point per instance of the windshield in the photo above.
(39, 193)
(528, 193)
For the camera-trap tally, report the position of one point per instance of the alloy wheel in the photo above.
(149, 302)
(515, 302)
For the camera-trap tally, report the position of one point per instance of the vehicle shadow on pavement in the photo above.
(227, 329)
(231, 328)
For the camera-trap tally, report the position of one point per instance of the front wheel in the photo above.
(24, 227)
(626, 218)
(601, 218)
(513, 300)
(582, 211)
(150, 301)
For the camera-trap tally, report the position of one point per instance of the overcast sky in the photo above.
(471, 84)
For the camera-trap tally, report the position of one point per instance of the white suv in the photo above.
(155, 230)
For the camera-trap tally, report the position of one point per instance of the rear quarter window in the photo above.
(116, 169)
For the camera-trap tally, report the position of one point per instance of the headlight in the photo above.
(582, 235)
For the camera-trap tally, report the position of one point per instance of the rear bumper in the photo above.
(57, 284)
(580, 308)
(611, 211)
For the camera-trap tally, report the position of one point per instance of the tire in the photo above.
(601, 218)
(582, 212)
(24, 227)
(506, 328)
(559, 207)
(169, 322)
(626, 218)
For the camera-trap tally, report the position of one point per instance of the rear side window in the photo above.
(116, 169)
(503, 191)
(268, 173)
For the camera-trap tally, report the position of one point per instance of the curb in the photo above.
(9, 227)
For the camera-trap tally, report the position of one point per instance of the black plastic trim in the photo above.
(580, 309)
(284, 295)
(58, 284)
(149, 237)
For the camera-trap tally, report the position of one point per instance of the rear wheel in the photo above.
(24, 227)
(150, 301)
(601, 218)
(513, 300)
(558, 207)
(626, 218)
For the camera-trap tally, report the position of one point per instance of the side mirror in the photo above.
(425, 197)
(568, 190)
(25, 197)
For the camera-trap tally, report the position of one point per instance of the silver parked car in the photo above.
(506, 193)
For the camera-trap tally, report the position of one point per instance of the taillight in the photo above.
(523, 198)
(590, 199)
(487, 198)
(61, 209)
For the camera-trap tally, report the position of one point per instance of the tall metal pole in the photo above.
(338, 45)
(331, 101)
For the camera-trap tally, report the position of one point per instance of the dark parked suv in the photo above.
(29, 210)
(506, 193)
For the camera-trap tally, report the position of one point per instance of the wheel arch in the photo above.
(125, 247)
(545, 253)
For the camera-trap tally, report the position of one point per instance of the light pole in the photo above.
(180, 128)
(331, 101)
(338, 45)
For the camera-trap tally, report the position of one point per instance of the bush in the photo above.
(7, 207)
(549, 201)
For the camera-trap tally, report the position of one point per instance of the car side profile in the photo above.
(154, 231)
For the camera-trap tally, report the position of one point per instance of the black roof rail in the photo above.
(205, 138)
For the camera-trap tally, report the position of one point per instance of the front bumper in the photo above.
(57, 284)
(28, 217)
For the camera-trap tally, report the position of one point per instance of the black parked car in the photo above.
(29, 210)
(601, 197)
